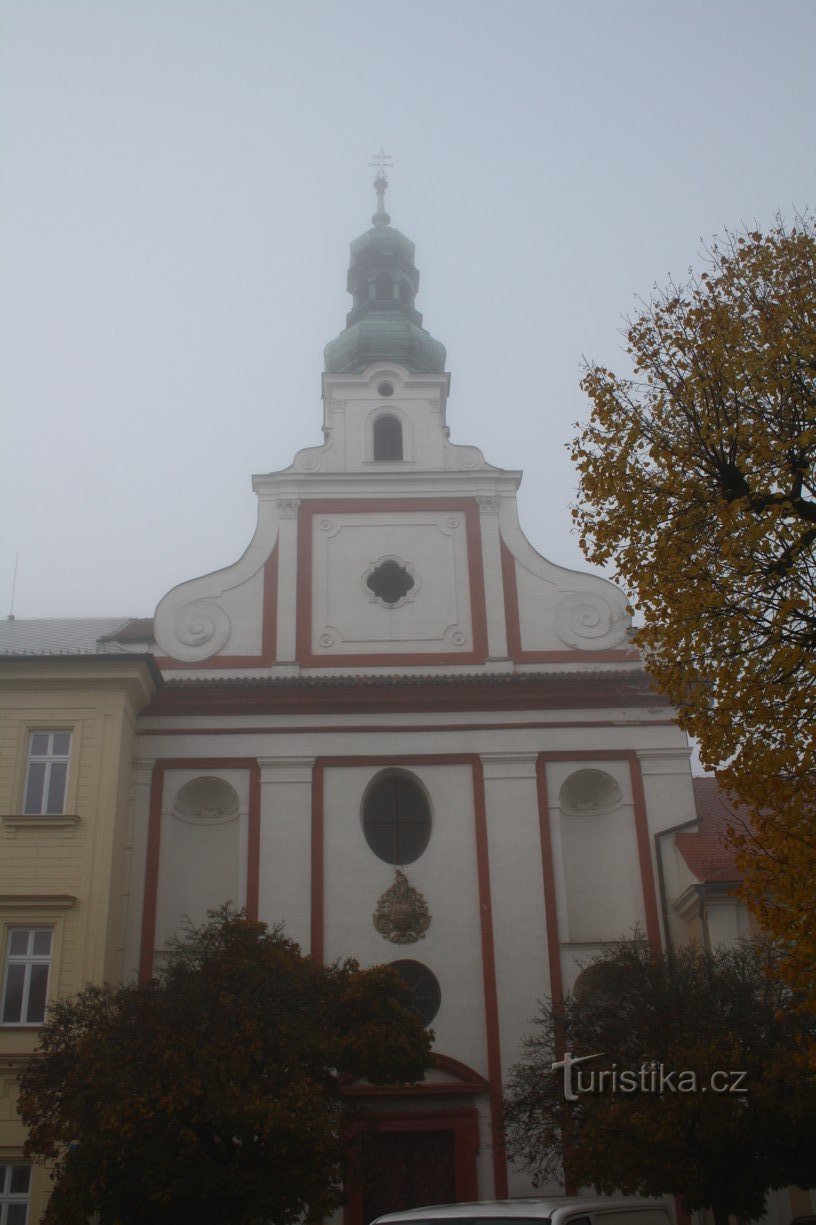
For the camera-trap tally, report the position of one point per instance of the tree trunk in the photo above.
(720, 1214)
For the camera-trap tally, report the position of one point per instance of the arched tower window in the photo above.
(362, 293)
(387, 435)
(384, 287)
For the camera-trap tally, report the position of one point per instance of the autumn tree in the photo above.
(697, 483)
(702, 1093)
(212, 1093)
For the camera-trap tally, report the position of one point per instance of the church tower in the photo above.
(397, 728)
(391, 546)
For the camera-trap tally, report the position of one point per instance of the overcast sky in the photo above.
(180, 183)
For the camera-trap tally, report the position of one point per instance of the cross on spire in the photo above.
(382, 161)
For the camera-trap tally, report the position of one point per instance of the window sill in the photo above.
(36, 901)
(40, 820)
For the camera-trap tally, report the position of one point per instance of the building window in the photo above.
(387, 438)
(396, 819)
(15, 1184)
(423, 988)
(47, 772)
(384, 287)
(25, 981)
(390, 582)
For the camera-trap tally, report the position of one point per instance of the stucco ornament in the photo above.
(584, 619)
(402, 912)
(202, 625)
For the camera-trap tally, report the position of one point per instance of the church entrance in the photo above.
(418, 1158)
(410, 1169)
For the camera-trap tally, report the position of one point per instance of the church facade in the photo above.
(397, 728)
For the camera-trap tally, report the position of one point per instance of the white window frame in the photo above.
(49, 759)
(29, 959)
(7, 1198)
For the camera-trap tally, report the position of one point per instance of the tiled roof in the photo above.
(138, 629)
(373, 679)
(57, 635)
(706, 851)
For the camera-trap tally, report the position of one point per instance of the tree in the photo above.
(672, 1023)
(697, 482)
(212, 1093)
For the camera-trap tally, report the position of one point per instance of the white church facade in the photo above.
(396, 728)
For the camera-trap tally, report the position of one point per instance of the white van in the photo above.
(552, 1209)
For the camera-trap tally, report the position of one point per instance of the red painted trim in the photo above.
(513, 620)
(462, 1071)
(399, 728)
(269, 637)
(151, 882)
(489, 976)
(645, 856)
(151, 888)
(647, 880)
(478, 613)
(468, 1083)
(548, 872)
(511, 601)
(407, 695)
(253, 842)
(464, 1123)
(269, 631)
(317, 868)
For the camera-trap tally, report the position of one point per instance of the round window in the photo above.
(396, 819)
(423, 988)
(386, 389)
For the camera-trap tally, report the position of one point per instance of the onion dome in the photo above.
(383, 324)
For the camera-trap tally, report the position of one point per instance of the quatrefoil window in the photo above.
(391, 581)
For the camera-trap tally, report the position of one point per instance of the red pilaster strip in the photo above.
(317, 862)
(489, 978)
(254, 842)
(548, 872)
(645, 855)
(151, 882)
(269, 640)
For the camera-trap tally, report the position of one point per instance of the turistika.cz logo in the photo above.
(651, 1077)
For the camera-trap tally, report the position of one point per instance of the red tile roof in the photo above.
(705, 850)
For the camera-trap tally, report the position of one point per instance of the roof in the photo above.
(57, 635)
(138, 629)
(706, 851)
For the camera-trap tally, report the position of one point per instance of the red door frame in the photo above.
(464, 1123)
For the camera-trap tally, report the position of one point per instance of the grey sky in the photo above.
(180, 183)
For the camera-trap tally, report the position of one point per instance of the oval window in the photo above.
(396, 819)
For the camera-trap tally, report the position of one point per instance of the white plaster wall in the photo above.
(285, 852)
(202, 864)
(517, 887)
(445, 874)
(599, 859)
(436, 615)
(727, 922)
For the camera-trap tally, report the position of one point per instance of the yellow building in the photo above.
(67, 741)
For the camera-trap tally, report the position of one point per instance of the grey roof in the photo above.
(57, 635)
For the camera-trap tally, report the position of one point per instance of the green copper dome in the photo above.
(383, 324)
